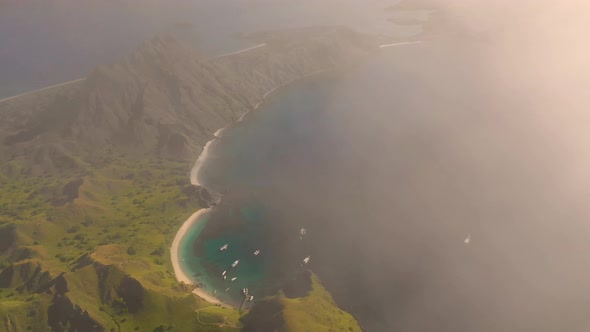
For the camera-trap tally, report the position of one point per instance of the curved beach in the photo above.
(194, 179)
(174, 256)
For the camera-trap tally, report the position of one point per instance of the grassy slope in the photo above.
(125, 217)
(316, 312)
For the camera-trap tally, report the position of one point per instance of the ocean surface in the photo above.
(389, 166)
(304, 160)
(241, 163)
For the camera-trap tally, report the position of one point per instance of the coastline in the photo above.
(196, 170)
(194, 179)
(42, 89)
(174, 256)
(201, 160)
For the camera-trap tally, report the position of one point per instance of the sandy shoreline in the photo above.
(200, 162)
(174, 256)
(194, 179)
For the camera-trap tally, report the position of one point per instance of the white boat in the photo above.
(227, 289)
(467, 239)
(257, 252)
(251, 298)
(303, 232)
(245, 291)
(224, 277)
(223, 247)
(234, 278)
(234, 264)
(215, 292)
(223, 273)
(306, 260)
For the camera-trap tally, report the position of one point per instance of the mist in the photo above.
(482, 133)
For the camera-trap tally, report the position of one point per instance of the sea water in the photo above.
(302, 161)
(243, 162)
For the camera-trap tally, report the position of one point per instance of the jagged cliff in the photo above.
(92, 297)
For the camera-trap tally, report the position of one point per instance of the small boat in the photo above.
(234, 278)
(303, 232)
(223, 273)
(227, 289)
(234, 264)
(251, 298)
(257, 252)
(467, 239)
(215, 292)
(306, 260)
(245, 291)
(223, 247)
(224, 277)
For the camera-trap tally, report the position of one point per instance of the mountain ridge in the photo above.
(166, 99)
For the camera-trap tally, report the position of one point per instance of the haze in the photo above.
(485, 134)
(445, 184)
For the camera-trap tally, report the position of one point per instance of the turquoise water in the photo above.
(245, 229)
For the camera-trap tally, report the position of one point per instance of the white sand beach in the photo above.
(174, 256)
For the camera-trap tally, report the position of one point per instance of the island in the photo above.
(95, 185)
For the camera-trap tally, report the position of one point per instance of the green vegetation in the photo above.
(316, 311)
(89, 204)
(90, 247)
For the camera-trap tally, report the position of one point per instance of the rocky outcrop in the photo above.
(63, 315)
(116, 289)
(9, 237)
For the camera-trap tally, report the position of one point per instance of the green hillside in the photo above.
(89, 250)
(90, 247)
(314, 311)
